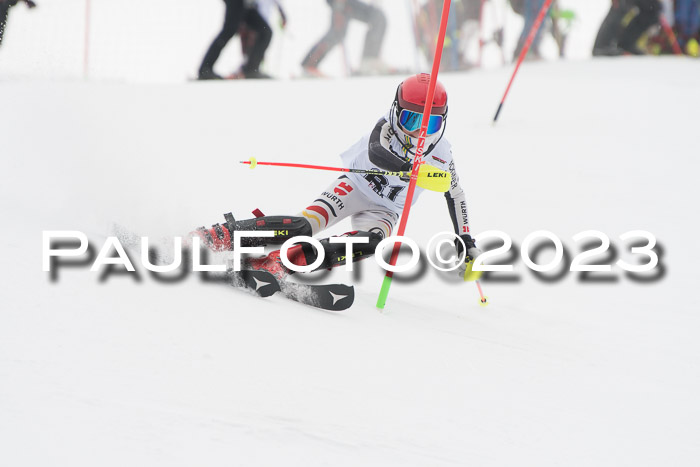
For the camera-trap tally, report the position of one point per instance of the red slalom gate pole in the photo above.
(418, 160)
(523, 53)
(671, 35)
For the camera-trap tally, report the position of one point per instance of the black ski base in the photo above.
(333, 297)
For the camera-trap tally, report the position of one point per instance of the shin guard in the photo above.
(220, 236)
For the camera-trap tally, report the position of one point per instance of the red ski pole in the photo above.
(420, 147)
(526, 48)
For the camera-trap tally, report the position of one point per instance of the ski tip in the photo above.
(261, 282)
(342, 300)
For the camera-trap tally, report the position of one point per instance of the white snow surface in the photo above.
(143, 373)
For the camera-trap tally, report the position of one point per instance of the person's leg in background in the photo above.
(4, 10)
(256, 53)
(376, 29)
(649, 11)
(531, 10)
(336, 33)
(610, 30)
(232, 20)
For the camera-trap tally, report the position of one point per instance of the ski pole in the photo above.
(473, 276)
(429, 177)
(482, 298)
(526, 48)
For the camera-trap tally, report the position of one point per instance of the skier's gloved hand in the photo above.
(467, 242)
(472, 252)
(407, 167)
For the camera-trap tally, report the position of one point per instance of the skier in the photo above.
(373, 202)
(232, 21)
(5, 9)
(256, 34)
(614, 38)
(341, 13)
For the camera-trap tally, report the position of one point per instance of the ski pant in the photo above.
(342, 11)
(232, 20)
(612, 32)
(687, 17)
(263, 35)
(342, 200)
(529, 9)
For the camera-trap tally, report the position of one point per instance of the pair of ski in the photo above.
(333, 297)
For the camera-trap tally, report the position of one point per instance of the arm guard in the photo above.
(380, 152)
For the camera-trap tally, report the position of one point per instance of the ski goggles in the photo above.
(411, 121)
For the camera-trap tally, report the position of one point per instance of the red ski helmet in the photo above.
(412, 91)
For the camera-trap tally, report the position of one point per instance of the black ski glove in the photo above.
(472, 250)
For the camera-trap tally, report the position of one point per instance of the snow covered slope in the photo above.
(126, 372)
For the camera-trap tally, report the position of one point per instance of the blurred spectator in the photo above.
(684, 33)
(615, 37)
(342, 11)
(5, 9)
(687, 22)
(256, 34)
(427, 23)
(528, 9)
(232, 21)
